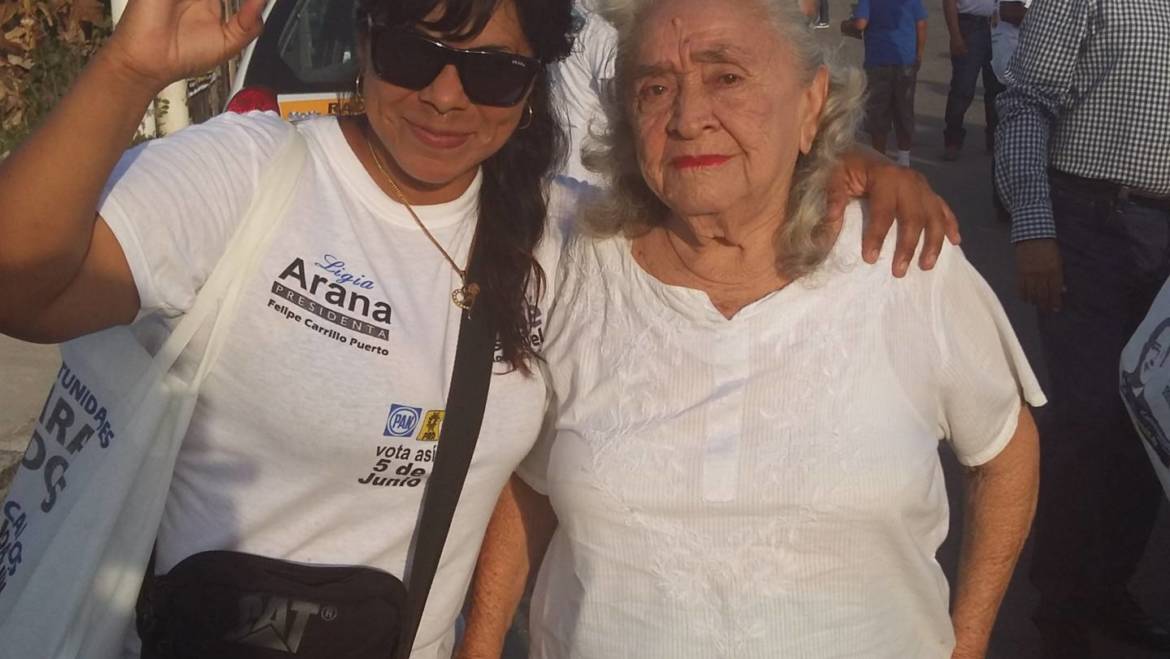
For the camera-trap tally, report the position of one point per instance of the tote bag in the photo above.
(79, 523)
(1145, 383)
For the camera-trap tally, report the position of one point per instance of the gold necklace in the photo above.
(464, 296)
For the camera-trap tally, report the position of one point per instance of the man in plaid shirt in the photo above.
(1083, 165)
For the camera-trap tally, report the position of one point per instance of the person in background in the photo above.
(895, 38)
(1005, 36)
(822, 21)
(580, 82)
(1083, 164)
(969, 25)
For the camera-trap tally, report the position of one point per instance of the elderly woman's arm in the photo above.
(513, 546)
(1001, 499)
(893, 191)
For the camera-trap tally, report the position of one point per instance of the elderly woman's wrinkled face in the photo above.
(719, 107)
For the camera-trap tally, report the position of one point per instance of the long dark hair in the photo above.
(512, 204)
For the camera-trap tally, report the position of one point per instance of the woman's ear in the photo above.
(813, 102)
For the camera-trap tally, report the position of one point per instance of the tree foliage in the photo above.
(43, 46)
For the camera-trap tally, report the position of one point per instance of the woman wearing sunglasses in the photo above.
(316, 429)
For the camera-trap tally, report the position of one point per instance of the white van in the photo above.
(303, 63)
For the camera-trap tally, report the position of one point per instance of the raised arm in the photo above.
(62, 272)
(1001, 500)
(514, 545)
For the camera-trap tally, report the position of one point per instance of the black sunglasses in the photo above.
(406, 58)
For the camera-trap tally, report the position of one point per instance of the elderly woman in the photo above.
(744, 450)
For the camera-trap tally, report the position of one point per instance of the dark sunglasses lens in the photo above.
(495, 78)
(405, 59)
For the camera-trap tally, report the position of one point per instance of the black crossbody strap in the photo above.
(461, 423)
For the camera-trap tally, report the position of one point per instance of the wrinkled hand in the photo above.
(958, 47)
(1041, 273)
(893, 192)
(160, 41)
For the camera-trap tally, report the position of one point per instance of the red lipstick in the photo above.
(705, 160)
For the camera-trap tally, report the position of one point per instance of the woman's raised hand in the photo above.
(160, 41)
(62, 271)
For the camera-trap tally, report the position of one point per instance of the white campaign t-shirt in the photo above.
(316, 430)
(766, 486)
(579, 83)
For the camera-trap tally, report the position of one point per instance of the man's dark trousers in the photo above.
(1099, 495)
(976, 31)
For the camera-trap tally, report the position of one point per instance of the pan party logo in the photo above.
(406, 420)
(402, 421)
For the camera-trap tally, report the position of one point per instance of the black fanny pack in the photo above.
(230, 605)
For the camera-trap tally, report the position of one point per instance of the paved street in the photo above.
(26, 370)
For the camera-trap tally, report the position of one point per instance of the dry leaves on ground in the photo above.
(43, 44)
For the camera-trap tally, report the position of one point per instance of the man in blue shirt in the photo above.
(895, 37)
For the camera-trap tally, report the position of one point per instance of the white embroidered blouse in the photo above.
(769, 485)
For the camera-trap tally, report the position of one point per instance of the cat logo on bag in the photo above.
(277, 623)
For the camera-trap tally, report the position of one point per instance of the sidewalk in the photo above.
(26, 370)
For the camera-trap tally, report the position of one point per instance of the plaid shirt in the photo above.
(1088, 93)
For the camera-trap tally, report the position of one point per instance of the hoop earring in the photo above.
(356, 103)
(529, 113)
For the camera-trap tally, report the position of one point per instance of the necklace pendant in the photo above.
(464, 296)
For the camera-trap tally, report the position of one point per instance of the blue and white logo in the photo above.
(402, 421)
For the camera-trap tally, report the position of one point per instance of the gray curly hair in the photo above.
(630, 207)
